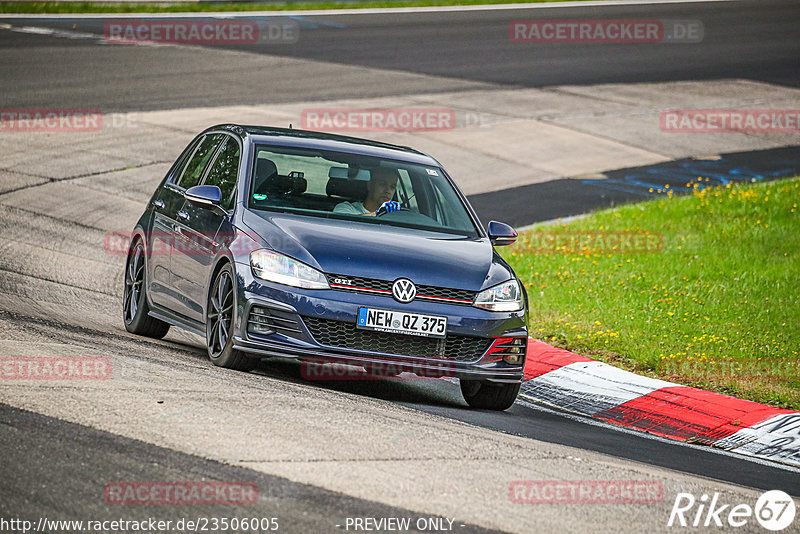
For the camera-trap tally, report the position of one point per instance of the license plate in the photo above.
(396, 322)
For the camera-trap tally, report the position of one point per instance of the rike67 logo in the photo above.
(774, 510)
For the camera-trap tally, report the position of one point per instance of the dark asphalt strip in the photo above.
(751, 40)
(742, 39)
(58, 470)
(528, 204)
(552, 427)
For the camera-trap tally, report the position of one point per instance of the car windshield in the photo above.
(351, 186)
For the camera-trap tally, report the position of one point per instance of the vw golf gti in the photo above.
(275, 242)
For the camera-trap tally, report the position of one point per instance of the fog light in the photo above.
(262, 329)
(511, 350)
(259, 322)
(513, 359)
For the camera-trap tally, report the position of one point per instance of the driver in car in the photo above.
(380, 190)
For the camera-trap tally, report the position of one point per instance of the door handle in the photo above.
(183, 214)
(159, 204)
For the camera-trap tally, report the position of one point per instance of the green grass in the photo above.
(187, 7)
(718, 307)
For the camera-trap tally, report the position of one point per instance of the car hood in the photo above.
(382, 251)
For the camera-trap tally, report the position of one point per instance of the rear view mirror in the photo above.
(349, 173)
(206, 196)
(501, 234)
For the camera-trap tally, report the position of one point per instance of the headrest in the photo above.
(293, 185)
(269, 182)
(264, 169)
(346, 188)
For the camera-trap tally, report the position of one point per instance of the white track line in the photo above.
(369, 11)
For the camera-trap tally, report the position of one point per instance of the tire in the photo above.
(219, 320)
(135, 310)
(489, 396)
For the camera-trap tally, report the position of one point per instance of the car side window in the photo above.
(177, 168)
(194, 170)
(224, 171)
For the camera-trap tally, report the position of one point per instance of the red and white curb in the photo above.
(578, 384)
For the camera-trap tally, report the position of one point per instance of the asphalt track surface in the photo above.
(753, 39)
(56, 469)
(45, 458)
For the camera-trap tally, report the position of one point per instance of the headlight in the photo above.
(274, 267)
(505, 297)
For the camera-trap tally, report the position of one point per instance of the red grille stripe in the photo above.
(384, 292)
(356, 288)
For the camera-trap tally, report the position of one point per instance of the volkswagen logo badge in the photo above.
(404, 290)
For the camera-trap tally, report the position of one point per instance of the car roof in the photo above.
(326, 141)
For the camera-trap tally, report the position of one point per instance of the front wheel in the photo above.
(489, 396)
(219, 324)
(135, 311)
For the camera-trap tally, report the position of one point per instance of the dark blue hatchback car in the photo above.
(285, 243)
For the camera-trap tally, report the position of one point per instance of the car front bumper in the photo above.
(289, 310)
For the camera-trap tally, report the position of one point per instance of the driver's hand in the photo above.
(388, 207)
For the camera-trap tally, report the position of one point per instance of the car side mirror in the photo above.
(501, 234)
(206, 196)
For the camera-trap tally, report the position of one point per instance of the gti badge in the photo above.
(404, 290)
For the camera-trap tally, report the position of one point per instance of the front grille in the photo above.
(357, 283)
(346, 335)
(262, 321)
(446, 293)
